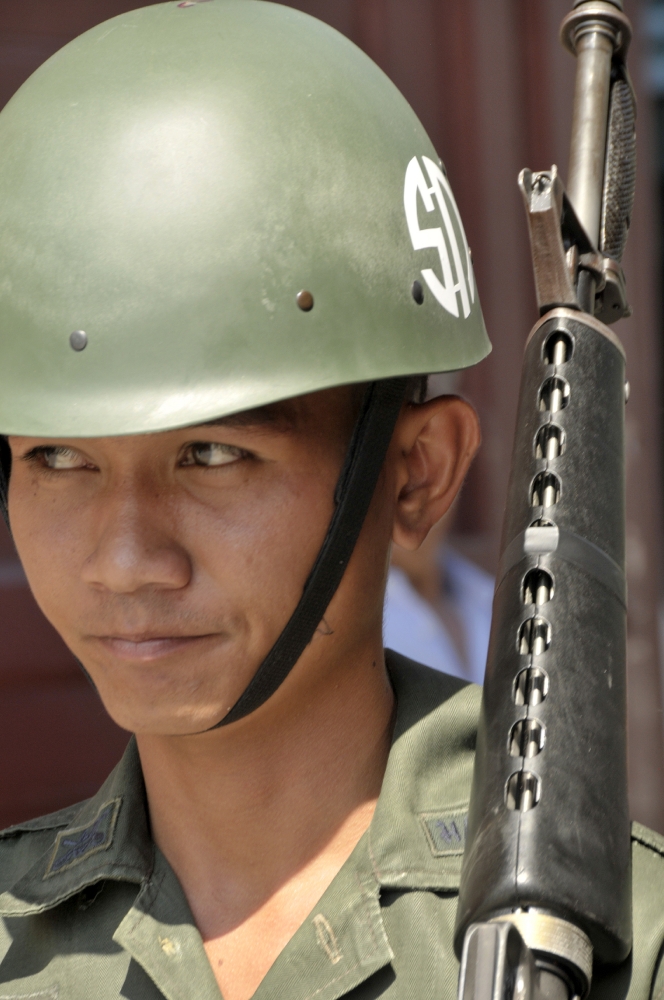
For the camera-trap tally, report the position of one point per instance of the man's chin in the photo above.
(162, 722)
(159, 702)
(164, 687)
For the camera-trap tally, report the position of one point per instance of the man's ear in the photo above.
(436, 442)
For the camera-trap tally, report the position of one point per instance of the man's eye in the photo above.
(210, 454)
(59, 458)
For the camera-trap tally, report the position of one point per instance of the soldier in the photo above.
(228, 253)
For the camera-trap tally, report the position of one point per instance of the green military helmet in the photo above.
(209, 206)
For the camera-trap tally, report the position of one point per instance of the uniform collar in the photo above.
(416, 839)
(418, 833)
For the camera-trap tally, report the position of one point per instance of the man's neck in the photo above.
(257, 819)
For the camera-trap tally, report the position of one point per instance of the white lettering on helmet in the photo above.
(457, 279)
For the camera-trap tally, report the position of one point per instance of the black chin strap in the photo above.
(354, 491)
(355, 488)
(5, 469)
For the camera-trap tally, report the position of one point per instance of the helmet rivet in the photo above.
(305, 301)
(78, 340)
(418, 292)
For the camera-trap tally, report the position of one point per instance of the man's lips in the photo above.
(151, 647)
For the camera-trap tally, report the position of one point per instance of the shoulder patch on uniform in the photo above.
(446, 832)
(648, 838)
(74, 845)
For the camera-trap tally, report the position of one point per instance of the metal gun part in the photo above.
(498, 963)
(546, 878)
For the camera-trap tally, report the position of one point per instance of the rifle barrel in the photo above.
(595, 31)
(591, 104)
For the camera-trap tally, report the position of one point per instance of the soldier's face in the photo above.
(170, 562)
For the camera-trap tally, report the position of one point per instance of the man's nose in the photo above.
(136, 549)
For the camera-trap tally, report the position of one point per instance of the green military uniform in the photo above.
(91, 909)
(207, 207)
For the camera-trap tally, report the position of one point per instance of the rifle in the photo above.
(546, 880)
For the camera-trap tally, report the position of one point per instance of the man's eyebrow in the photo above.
(275, 415)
